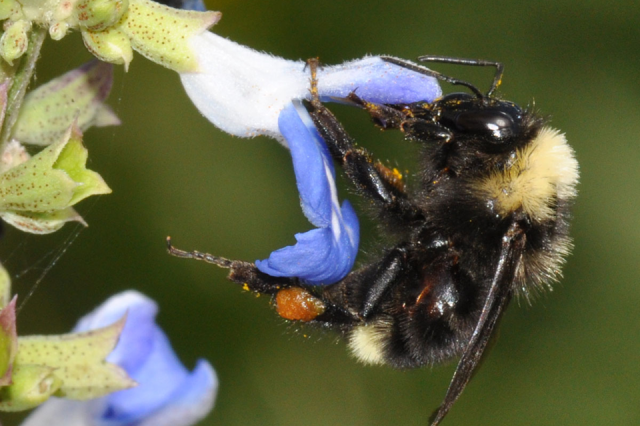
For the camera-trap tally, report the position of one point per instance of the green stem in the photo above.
(21, 81)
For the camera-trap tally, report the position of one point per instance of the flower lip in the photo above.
(326, 254)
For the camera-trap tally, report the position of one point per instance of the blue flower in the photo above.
(248, 93)
(167, 393)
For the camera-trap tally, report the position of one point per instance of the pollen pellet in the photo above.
(297, 304)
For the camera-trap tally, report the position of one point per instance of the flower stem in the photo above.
(21, 81)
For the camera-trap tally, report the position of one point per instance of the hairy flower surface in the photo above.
(167, 393)
(248, 93)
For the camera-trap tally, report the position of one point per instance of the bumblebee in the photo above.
(488, 220)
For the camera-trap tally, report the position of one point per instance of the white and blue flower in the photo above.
(248, 93)
(167, 393)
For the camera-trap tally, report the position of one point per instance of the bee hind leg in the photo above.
(243, 273)
(293, 300)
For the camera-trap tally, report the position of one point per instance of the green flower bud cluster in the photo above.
(111, 29)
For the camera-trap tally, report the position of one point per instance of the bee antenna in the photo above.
(497, 78)
(431, 73)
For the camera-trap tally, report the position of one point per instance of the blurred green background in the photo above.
(573, 358)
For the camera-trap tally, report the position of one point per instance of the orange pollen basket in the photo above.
(297, 304)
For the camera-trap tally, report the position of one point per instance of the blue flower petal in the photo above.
(157, 379)
(312, 164)
(167, 393)
(197, 5)
(324, 255)
(377, 81)
(191, 400)
(320, 256)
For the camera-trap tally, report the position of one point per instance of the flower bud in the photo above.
(15, 40)
(78, 95)
(58, 30)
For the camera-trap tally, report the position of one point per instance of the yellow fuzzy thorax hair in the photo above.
(542, 172)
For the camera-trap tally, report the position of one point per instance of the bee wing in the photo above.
(497, 300)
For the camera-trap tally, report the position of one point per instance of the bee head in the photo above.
(487, 124)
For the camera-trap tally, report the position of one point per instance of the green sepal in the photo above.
(8, 342)
(42, 223)
(78, 361)
(111, 45)
(73, 161)
(14, 155)
(162, 34)
(48, 111)
(58, 30)
(32, 385)
(53, 179)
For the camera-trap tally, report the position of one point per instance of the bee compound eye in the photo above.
(498, 124)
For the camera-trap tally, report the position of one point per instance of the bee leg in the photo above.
(418, 129)
(372, 179)
(293, 301)
(243, 273)
(358, 297)
(383, 116)
(384, 277)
